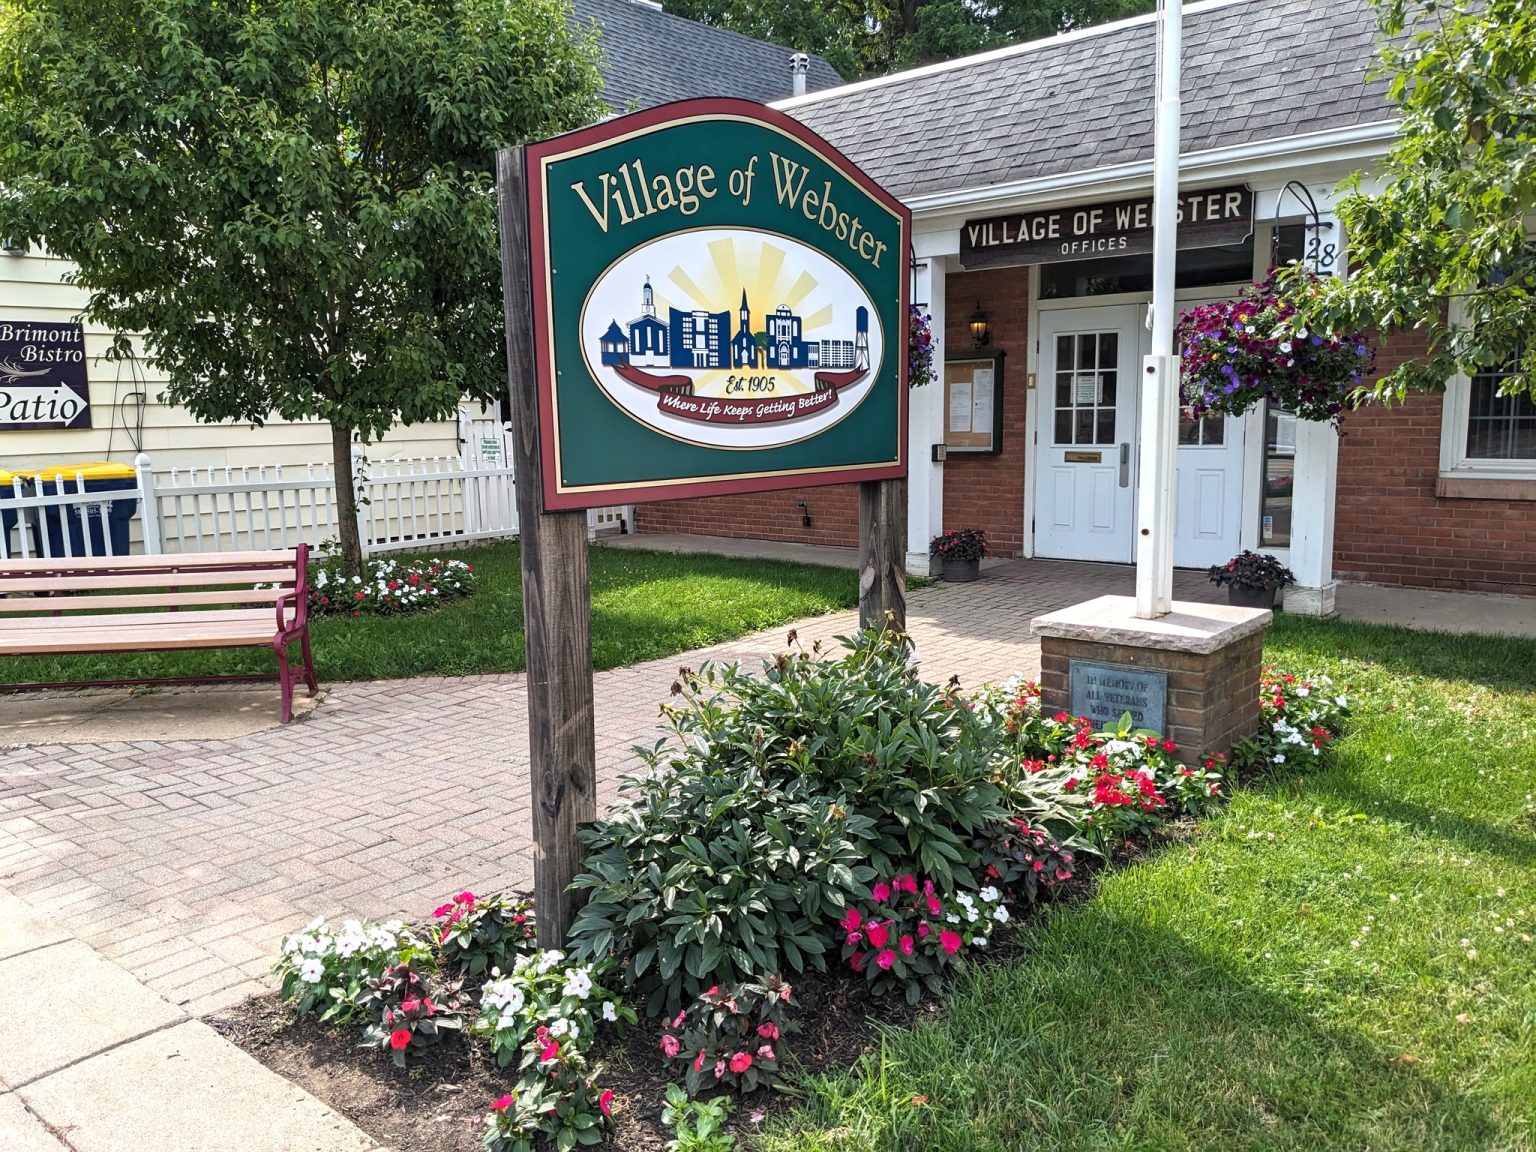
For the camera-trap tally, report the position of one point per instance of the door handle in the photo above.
(1125, 465)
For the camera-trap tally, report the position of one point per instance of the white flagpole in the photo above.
(1160, 370)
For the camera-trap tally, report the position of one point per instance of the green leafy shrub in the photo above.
(1026, 860)
(731, 1037)
(711, 874)
(909, 756)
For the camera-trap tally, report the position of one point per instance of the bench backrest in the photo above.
(183, 581)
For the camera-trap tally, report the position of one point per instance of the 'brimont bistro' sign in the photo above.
(1207, 219)
(719, 306)
(42, 376)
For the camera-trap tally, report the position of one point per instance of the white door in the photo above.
(1208, 494)
(1085, 494)
(1089, 456)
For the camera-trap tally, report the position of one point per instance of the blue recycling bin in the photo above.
(94, 528)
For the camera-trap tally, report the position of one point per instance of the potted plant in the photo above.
(959, 551)
(1253, 579)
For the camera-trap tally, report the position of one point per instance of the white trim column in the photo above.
(925, 426)
(1314, 495)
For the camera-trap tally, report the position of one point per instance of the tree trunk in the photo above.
(346, 500)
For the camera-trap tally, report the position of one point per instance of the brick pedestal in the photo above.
(1211, 654)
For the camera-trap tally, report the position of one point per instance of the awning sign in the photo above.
(42, 376)
(1209, 218)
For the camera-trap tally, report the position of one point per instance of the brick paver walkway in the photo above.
(186, 860)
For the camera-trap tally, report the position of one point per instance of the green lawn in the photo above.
(1342, 960)
(644, 605)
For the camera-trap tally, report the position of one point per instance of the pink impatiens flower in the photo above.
(878, 934)
(881, 892)
(950, 940)
(605, 1102)
(399, 1038)
(886, 958)
(765, 1052)
(768, 1030)
(907, 946)
(671, 1046)
(501, 1103)
(741, 1062)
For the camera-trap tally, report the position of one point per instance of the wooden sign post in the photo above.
(557, 604)
(882, 547)
(702, 299)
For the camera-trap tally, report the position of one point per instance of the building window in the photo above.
(1499, 427)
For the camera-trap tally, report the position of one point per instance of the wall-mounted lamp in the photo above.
(979, 334)
(11, 247)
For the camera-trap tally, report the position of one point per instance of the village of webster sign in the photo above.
(1207, 218)
(719, 305)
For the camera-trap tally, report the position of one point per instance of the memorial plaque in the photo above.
(1105, 692)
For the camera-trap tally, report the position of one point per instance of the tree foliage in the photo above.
(871, 37)
(293, 200)
(1454, 220)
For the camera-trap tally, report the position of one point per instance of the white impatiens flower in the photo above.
(578, 983)
(560, 1027)
(979, 941)
(1001, 915)
(609, 1012)
(502, 996)
(312, 971)
(989, 894)
(550, 960)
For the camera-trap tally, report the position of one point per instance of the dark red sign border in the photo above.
(556, 499)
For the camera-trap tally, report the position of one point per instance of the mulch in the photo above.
(438, 1102)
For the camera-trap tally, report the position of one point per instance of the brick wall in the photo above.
(1392, 529)
(988, 491)
(834, 514)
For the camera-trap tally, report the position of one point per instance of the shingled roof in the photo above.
(1253, 69)
(651, 57)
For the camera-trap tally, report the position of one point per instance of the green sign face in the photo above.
(720, 305)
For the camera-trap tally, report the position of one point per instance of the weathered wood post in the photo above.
(557, 605)
(882, 550)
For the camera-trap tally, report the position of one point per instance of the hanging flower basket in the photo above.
(919, 347)
(1255, 348)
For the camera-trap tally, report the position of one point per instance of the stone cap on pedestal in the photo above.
(1198, 628)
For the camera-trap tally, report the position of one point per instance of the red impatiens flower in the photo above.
(886, 959)
(741, 1062)
(501, 1104)
(907, 945)
(881, 892)
(605, 1102)
(399, 1038)
(878, 934)
(768, 1030)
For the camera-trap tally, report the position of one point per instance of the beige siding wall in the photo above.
(32, 287)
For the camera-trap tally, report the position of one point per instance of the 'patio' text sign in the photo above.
(43, 380)
(719, 305)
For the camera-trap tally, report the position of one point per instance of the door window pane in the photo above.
(1086, 378)
(1209, 431)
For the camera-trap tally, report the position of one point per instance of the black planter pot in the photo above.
(1244, 596)
(959, 571)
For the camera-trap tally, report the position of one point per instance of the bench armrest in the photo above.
(297, 603)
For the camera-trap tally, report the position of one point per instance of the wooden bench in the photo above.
(157, 604)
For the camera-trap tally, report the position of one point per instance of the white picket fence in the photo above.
(402, 504)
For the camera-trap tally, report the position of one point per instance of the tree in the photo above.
(293, 200)
(1453, 220)
(871, 37)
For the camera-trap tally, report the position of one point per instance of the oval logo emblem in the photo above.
(732, 338)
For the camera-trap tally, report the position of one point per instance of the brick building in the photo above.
(1028, 171)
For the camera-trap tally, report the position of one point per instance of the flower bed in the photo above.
(391, 587)
(834, 823)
